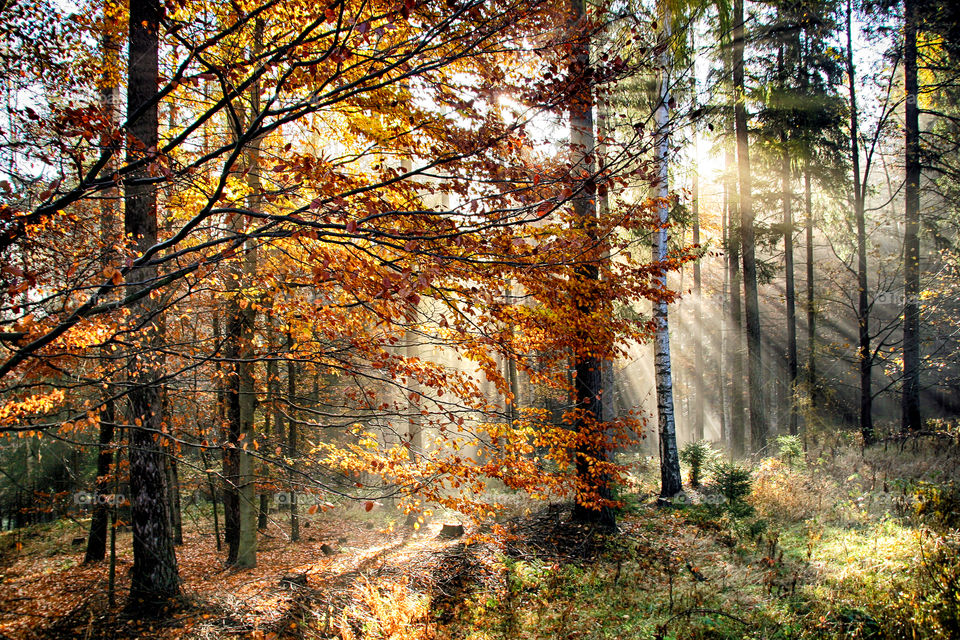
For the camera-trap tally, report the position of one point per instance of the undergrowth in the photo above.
(827, 544)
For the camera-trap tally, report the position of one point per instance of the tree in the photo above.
(241, 520)
(863, 306)
(670, 480)
(910, 398)
(110, 39)
(588, 367)
(154, 578)
(758, 429)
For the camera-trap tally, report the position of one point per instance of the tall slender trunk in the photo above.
(414, 424)
(863, 304)
(271, 418)
(608, 373)
(241, 392)
(292, 435)
(786, 199)
(513, 407)
(212, 487)
(734, 355)
(239, 486)
(724, 326)
(699, 409)
(738, 417)
(588, 378)
(109, 236)
(97, 541)
(812, 382)
(173, 480)
(791, 294)
(758, 429)
(670, 480)
(910, 400)
(154, 578)
(699, 417)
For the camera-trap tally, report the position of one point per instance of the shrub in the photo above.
(790, 450)
(700, 456)
(782, 492)
(733, 482)
(938, 505)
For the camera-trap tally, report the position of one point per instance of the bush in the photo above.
(938, 506)
(783, 492)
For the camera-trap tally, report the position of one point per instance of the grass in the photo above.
(832, 544)
(824, 552)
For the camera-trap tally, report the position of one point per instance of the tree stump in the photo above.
(294, 580)
(451, 531)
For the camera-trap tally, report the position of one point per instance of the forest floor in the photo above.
(844, 546)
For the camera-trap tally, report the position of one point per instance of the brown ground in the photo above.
(46, 593)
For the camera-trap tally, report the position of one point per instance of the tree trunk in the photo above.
(292, 436)
(791, 301)
(176, 519)
(213, 498)
(812, 382)
(699, 367)
(588, 378)
(109, 220)
(724, 326)
(670, 480)
(97, 540)
(414, 426)
(241, 393)
(608, 373)
(863, 306)
(758, 431)
(154, 578)
(271, 418)
(738, 440)
(910, 401)
(786, 178)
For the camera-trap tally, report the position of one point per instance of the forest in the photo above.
(480, 319)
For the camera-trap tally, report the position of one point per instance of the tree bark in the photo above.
(724, 325)
(786, 197)
(241, 392)
(791, 294)
(109, 221)
(588, 379)
(670, 480)
(699, 417)
(758, 430)
(292, 436)
(910, 400)
(812, 383)
(154, 578)
(176, 519)
(863, 305)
